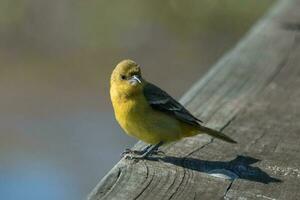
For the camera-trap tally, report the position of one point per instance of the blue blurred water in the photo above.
(36, 179)
(62, 157)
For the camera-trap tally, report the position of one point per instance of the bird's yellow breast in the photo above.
(138, 119)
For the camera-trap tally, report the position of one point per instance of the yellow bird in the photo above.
(148, 113)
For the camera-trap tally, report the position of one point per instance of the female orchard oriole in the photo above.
(148, 113)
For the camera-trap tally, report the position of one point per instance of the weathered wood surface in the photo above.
(253, 95)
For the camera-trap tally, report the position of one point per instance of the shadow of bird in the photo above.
(240, 167)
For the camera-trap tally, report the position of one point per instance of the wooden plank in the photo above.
(253, 95)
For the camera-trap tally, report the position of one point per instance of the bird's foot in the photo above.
(127, 152)
(132, 154)
(135, 156)
(148, 151)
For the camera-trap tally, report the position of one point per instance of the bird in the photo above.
(150, 114)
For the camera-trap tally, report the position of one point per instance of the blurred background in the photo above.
(58, 136)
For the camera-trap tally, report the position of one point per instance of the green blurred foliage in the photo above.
(184, 18)
(102, 23)
(12, 12)
(76, 43)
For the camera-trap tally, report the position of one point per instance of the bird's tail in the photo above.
(217, 134)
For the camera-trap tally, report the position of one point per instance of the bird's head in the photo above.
(126, 77)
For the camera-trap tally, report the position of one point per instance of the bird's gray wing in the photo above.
(162, 101)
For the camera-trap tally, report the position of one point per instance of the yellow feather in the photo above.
(138, 118)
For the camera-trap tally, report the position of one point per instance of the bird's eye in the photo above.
(123, 77)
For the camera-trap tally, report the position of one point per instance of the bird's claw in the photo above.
(133, 157)
(128, 156)
(128, 152)
(133, 154)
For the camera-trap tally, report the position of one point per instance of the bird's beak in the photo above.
(135, 80)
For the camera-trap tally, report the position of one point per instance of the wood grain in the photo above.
(252, 94)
